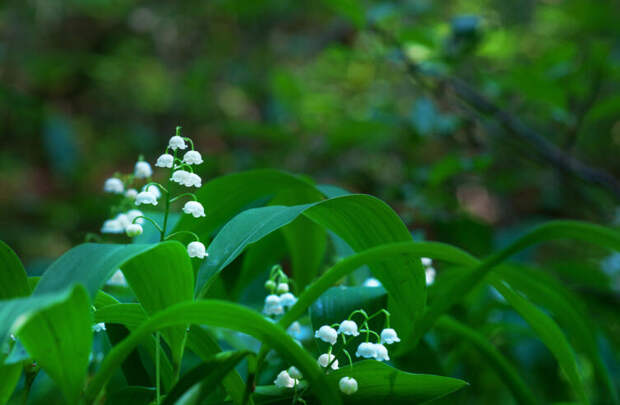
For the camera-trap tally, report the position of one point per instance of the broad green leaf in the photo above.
(226, 196)
(337, 303)
(160, 275)
(9, 376)
(362, 221)
(225, 315)
(59, 338)
(13, 278)
(379, 383)
(549, 333)
(132, 396)
(555, 230)
(209, 374)
(553, 296)
(500, 364)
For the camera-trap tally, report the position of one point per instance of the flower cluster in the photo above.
(181, 171)
(279, 298)
(429, 270)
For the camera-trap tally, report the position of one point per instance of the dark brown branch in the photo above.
(510, 123)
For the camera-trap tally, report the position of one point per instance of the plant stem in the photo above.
(157, 384)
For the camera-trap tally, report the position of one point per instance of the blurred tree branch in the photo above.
(510, 123)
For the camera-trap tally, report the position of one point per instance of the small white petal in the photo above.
(282, 288)
(348, 328)
(133, 214)
(112, 226)
(372, 282)
(381, 352)
(389, 336)
(176, 142)
(146, 197)
(132, 193)
(288, 299)
(325, 359)
(118, 279)
(426, 261)
(142, 170)
(273, 305)
(133, 230)
(284, 380)
(366, 350)
(197, 249)
(192, 157)
(348, 385)
(180, 176)
(294, 329)
(430, 273)
(194, 208)
(113, 185)
(165, 160)
(99, 327)
(327, 334)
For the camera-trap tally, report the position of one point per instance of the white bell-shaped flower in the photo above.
(180, 176)
(123, 220)
(193, 180)
(117, 279)
(347, 385)
(142, 170)
(176, 142)
(288, 300)
(295, 373)
(133, 230)
(294, 329)
(284, 380)
(194, 208)
(132, 193)
(99, 327)
(112, 226)
(273, 305)
(372, 282)
(282, 288)
(326, 358)
(192, 157)
(133, 214)
(197, 249)
(366, 350)
(327, 334)
(146, 197)
(153, 189)
(426, 261)
(430, 274)
(381, 352)
(348, 328)
(165, 160)
(113, 185)
(389, 336)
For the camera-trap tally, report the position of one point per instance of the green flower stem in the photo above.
(382, 311)
(182, 232)
(183, 195)
(190, 142)
(368, 331)
(151, 220)
(191, 169)
(358, 311)
(154, 183)
(348, 357)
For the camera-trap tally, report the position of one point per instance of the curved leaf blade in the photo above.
(13, 278)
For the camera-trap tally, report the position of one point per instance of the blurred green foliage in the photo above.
(86, 86)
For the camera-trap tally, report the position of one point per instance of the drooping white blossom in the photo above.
(142, 170)
(118, 279)
(372, 282)
(123, 220)
(99, 327)
(366, 350)
(192, 157)
(325, 359)
(381, 352)
(282, 288)
(176, 142)
(426, 261)
(193, 180)
(197, 249)
(180, 176)
(132, 193)
(327, 334)
(194, 208)
(288, 300)
(146, 197)
(270, 285)
(113, 185)
(389, 336)
(430, 274)
(153, 189)
(273, 305)
(133, 230)
(294, 329)
(112, 226)
(295, 373)
(348, 385)
(133, 214)
(348, 327)
(284, 380)
(165, 160)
